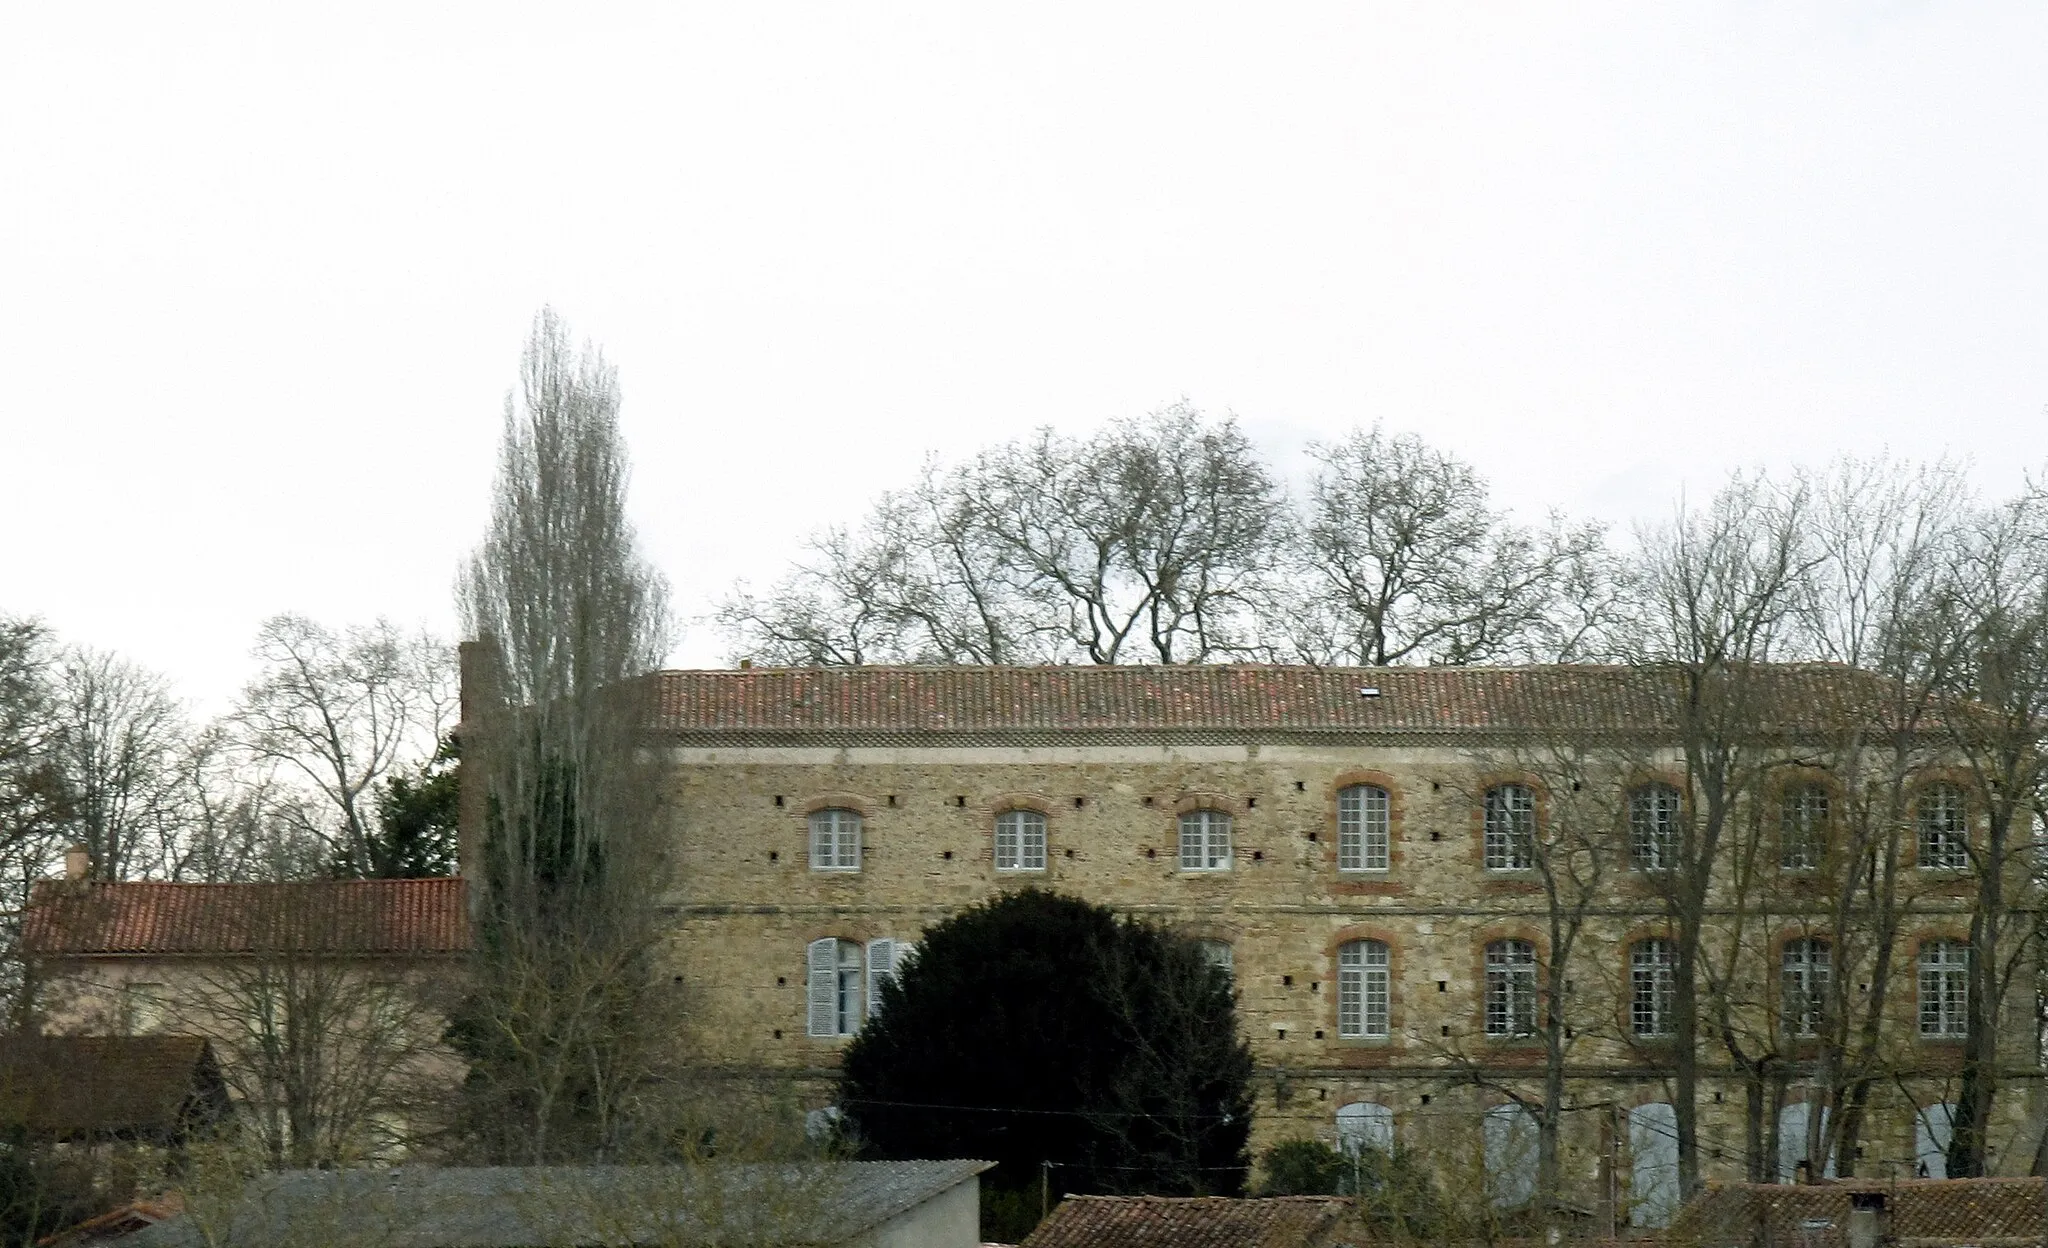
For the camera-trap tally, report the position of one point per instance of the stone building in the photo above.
(299, 986)
(1365, 850)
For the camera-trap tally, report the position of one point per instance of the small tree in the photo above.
(1039, 1030)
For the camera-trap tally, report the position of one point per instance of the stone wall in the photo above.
(747, 903)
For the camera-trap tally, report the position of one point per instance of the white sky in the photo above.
(265, 272)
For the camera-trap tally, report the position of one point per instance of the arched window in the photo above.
(1944, 988)
(1942, 817)
(1509, 1137)
(1805, 968)
(1933, 1128)
(1802, 827)
(1653, 1164)
(1020, 841)
(1652, 986)
(1362, 1125)
(1793, 1122)
(1362, 828)
(1510, 988)
(1510, 828)
(1363, 990)
(835, 840)
(1653, 828)
(1205, 841)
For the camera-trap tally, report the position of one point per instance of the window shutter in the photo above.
(881, 969)
(823, 987)
(905, 951)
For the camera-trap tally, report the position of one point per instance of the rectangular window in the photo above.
(1805, 973)
(1944, 988)
(1944, 828)
(1362, 831)
(1205, 841)
(1020, 841)
(835, 840)
(1652, 974)
(1510, 988)
(1802, 828)
(143, 1006)
(1363, 990)
(1653, 828)
(1510, 828)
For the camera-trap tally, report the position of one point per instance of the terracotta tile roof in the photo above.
(1923, 1212)
(313, 916)
(116, 1223)
(97, 1087)
(1189, 1222)
(1233, 698)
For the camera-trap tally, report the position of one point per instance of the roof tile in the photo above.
(427, 916)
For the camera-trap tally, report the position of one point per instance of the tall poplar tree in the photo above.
(570, 622)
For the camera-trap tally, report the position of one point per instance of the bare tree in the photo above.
(1155, 540)
(917, 582)
(565, 1029)
(1714, 594)
(1401, 559)
(1884, 534)
(120, 735)
(338, 712)
(334, 1060)
(1990, 640)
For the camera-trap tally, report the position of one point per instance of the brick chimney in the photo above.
(77, 864)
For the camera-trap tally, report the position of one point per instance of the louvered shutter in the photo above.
(881, 969)
(823, 986)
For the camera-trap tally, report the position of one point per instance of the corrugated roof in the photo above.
(1921, 1211)
(1231, 698)
(812, 1203)
(88, 1087)
(428, 916)
(1188, 1222)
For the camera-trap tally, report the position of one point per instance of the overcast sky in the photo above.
(265, 272)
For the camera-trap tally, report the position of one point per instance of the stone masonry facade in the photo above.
(1115, 764)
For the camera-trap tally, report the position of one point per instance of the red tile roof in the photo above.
(1236, 698)
(1923, 1212)
(116, 1223)
(1189, 1222)
(98, 1087)
(313, 916)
